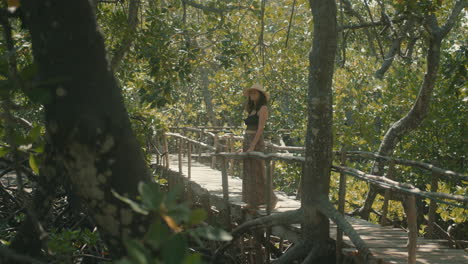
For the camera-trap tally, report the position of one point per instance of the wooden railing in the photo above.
(386, 182)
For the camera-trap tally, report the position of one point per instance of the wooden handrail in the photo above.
(285, 148)
(354, 172)
(191, 141)
(378, 180)
(261, 155)
(422, 165)
(403, 187)
(385, 182)
(364, 154)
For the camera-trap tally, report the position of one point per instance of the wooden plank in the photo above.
(400, 256)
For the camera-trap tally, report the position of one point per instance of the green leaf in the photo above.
(39, 148)
(136, 252)
(34, 133)
(197, 216)
(180, 212)
(172, 195)
(157, 234)
(175, 249)
(151, 195)
(135, 206)
(33, 163)
(4, 151)
(212, 233)
(192, 259)
(19, 139)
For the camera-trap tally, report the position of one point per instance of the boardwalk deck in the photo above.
(386, 243)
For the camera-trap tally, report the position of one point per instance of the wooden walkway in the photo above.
(386, 243)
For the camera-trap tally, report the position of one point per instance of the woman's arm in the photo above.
(262, 117)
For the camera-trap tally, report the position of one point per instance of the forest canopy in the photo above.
(88, 89)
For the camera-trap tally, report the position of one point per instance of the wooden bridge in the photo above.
(221, 190)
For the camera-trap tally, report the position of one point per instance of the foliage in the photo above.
(162, 83)
(173, 225)
(64, 244)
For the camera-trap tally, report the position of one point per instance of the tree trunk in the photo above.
(319, 140)
(127, 42)
(87, 124)
(207, 97)
(421, 107)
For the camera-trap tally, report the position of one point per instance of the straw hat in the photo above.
(259, 88)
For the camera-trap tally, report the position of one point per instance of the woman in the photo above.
(254, 179)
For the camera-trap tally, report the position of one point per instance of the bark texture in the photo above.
(319, 141)
(85, 117)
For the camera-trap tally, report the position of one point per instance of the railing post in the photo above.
(432, 206)
(180, 155)
(341, 207)
(390, 175)
(216, 146)
(268, 195)
(268, 186)
(189, 156)
(231, 149)
(165, 151)
(182, 146)
(200, 138)
(412, 228)
(225, 185)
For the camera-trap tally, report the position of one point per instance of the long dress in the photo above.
(254, 178)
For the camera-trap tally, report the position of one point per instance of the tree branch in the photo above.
(348, 7)
(409, 49)
(450, 175)
(389, 58)
(289, 217)
(129, 38)
(329, 210)
(215, 10)
(290, 23)
(459, 6)
(369, 24)
(373, 28)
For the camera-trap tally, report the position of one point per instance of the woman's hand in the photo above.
(250, 149)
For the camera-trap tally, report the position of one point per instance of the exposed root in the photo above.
(312, 255)
(329, 210)
(285, 218)
(296, 252)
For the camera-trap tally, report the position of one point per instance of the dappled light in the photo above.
(237, 132)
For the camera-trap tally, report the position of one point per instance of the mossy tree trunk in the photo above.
(319, 141)
(86, 121)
